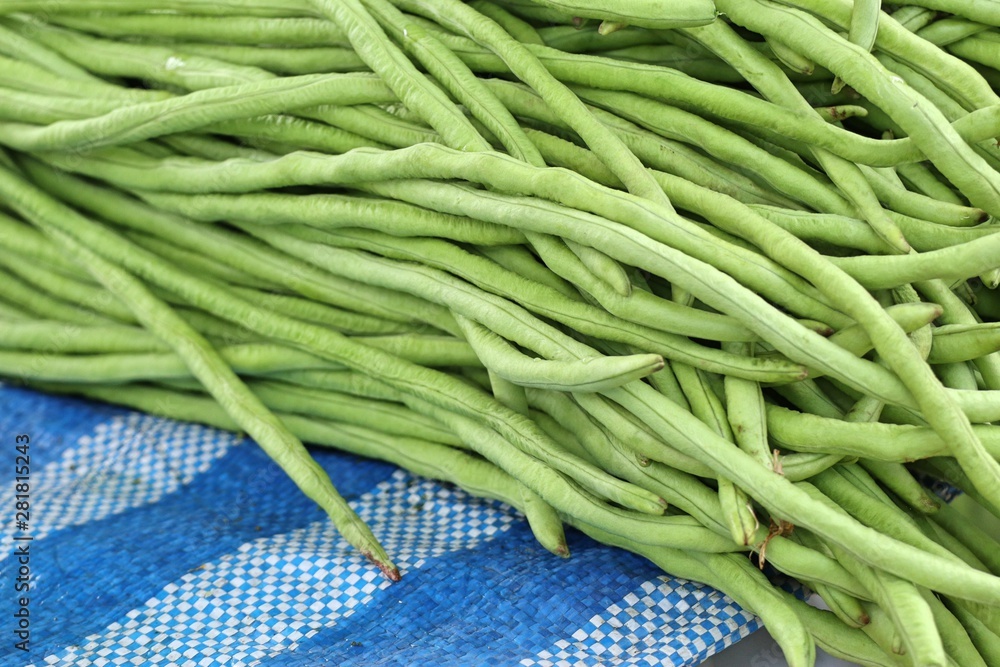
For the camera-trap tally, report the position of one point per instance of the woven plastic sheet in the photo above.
(166, 543)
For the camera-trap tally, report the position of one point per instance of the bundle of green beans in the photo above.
(702, 280)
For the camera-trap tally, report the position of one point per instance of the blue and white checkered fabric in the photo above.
(164, 543)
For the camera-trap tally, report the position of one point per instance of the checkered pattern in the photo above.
(664, 622)
(264, 598)
(131, 460)
(163, 543)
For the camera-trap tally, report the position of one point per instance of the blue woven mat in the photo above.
(165, 543)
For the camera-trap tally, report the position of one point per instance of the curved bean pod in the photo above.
(29, 50)
(520, 261)
(41, 304)
(574, 502)
(696, 439)
(243, 30)
(877, 441)
(963, 342)
(400, 75)
(280, 60)
(852, 233)
(196, 110)
(332, 211)
(133, 367)
(585, 375)
(736, 508)
(643, 13)
(913, 18)
(950, 29)
(961, 80)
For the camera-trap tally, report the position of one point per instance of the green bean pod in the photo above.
(963, 342)
(643, 13)
(586, 375)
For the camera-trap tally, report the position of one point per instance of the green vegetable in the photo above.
(632, 268)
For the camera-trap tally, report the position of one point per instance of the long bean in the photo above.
(519, 260)
(911, 203)
(640, 307)
(119, 368)
(359, 165)
(457, 79)
(768, 79)
(332, 211)
(686, 92)
(922, 178)
(200, 7)
(239, 253)
(957, 342)
(88, 296)
(385, 59)
(678, 125)
(911, 614)
(971, 535)
(694, 438)
(956, 311)
(584, 375)
(962, 81)
(197, 110)
(984, 639)
(462, 19)
(763, 274)
(26, 77)
(913, 18)
(486, 308)
(65, 338)
(950, 264)
(660, 531)
(645, 13)
(950, 29)
(355, 355)
(41, 304)
(883, 442)
(156, 63)
(199, 263)
(280, 60)
(24, 240)
(210, 369)
(18, 46)
(979, 125)
(864, 24)
(425, 457)
(851, 233)
(243, 30)
(450, 71)
(873, 511)
(896, 478)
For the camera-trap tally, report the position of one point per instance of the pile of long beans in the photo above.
(702, 280)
